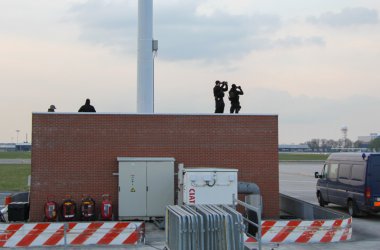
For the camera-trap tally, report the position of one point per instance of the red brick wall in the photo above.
(76, 153)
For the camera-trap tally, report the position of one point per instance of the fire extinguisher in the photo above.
(68, 209)
(87, 208)
(106, 208)
(51, 209)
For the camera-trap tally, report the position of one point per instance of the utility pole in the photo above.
(146, 47)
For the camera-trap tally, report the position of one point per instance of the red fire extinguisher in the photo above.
(51, 209)
(106, 207)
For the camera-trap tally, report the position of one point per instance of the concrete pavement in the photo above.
(15, 161)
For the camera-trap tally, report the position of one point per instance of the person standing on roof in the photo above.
(51, 109)
(219, 89)
(234, 98)
(87, 107)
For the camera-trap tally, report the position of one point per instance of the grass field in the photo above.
(302, 157)
(14, 177)
(15, 155)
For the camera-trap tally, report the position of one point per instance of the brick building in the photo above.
(76, 153)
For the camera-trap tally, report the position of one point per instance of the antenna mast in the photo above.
(145, 73)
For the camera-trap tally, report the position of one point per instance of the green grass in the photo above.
(302, 157)
(15, 155)
(14, 177)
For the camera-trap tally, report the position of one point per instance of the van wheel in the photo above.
(321, 201)
(352, 208)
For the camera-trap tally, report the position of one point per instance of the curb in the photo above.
(53, 234)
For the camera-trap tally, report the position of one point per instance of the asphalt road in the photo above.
(297, 180)
(15, 161)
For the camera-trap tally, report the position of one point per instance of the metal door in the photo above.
(160, 187)
(132, 189)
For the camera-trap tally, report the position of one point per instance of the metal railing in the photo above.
(251, 211)
(307, 211)
(204, 227)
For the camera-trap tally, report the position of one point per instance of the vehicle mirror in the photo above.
(316, 175)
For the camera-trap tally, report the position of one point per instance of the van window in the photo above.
(344, 171)
(358, 172)
(333, 171)
(324, 171)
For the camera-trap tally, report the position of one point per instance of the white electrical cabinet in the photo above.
(146, 186)
(207, 185)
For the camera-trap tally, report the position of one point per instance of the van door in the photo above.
(333, 187)
(373, 177)
(357, 182)
(322, 183)
(344, 188)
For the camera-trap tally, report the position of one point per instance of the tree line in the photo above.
(327, 145)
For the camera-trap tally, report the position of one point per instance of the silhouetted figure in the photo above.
(87, 107)
(219, 89)
(234, 98)
(51, 109)
(216, 93)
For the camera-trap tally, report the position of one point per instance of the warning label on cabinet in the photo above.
(133, 190)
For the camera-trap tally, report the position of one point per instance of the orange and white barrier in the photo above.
(73, 233)
(297, 231)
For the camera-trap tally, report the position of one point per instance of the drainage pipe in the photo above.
(248, 188)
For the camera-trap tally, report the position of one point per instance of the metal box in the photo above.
(207, 185)
(146, 186)
(18, 211)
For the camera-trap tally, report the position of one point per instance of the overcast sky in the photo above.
(315, 63)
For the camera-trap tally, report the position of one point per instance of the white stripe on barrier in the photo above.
(12, 242)
(273, 231)
(42, 238)
(73, 233)
(125, 234)
(99, 234)
(317, 236)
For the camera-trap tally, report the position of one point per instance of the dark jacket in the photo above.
(87, 108)
(234, 95)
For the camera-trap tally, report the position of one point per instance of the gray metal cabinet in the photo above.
(146, 186)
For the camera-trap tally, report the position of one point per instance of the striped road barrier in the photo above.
(302, 231)
(72, 233)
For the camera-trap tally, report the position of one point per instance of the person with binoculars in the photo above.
(219, 89)
(233, 96)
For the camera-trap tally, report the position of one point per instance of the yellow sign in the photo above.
(133, 190)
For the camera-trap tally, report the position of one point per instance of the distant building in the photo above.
(294, 148)
(11, 147)
(24, 146)
(7, 147)
(368, 138)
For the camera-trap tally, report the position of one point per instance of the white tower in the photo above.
(145, 74)
(344, 130)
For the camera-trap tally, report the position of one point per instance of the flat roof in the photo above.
(118, 113)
